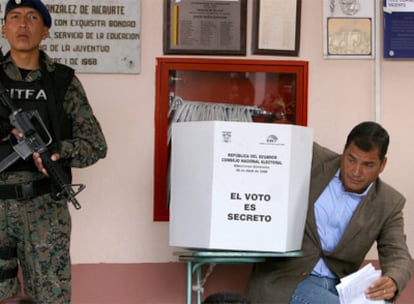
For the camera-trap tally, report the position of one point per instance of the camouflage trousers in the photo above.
(39, 229)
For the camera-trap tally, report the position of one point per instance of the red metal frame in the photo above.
(166, 65)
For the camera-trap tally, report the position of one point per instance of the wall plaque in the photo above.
(207, 27)
(398, 29)
(93, 36)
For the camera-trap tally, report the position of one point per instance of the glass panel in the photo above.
(274, 93)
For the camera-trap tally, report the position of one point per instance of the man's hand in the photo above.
(38, 161)
(14, 132)
(382, 289)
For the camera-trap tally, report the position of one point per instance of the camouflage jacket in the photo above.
(87, 144)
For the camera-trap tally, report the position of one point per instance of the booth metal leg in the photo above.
(189, 281)
(199, 287)
(190, 270)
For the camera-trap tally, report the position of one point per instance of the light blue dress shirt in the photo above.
(333, 211)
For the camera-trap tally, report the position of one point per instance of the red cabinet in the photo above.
(268, 90)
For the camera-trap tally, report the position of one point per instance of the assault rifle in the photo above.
(36, 138)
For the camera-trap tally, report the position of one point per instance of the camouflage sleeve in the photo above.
(87, 144)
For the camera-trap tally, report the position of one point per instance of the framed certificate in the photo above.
(276, 27)
(205, 27)
(349, 31)
(349, 37)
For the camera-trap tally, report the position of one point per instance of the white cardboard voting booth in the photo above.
(239, 186)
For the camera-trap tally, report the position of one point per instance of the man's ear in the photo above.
(45, 33)
(383, 163)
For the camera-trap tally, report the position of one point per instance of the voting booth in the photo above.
(239, 186)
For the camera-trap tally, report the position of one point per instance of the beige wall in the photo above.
(115, 224)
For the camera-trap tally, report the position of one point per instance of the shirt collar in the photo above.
(12, 70)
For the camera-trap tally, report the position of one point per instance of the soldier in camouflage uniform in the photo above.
(35, 226)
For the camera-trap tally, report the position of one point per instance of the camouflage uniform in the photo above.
(39, 229)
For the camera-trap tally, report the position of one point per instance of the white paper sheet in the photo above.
(351, 289)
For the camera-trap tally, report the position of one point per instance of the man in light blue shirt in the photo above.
(350, 208)
(333, 211)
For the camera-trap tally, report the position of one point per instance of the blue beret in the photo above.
(36, 4)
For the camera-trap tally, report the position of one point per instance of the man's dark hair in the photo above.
(369, 135)
(225, 297)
